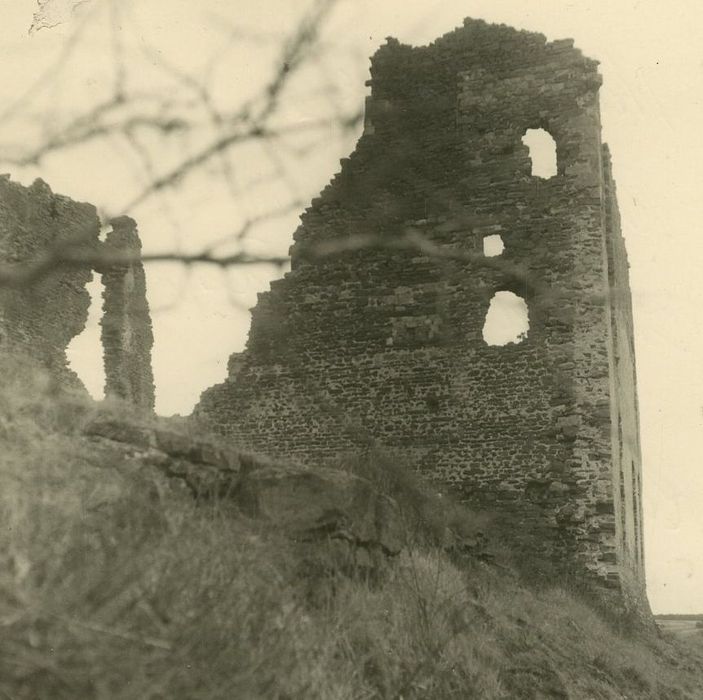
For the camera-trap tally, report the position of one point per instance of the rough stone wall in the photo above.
(127, 337)
(39, 319)
(382, 341)
(626, 455)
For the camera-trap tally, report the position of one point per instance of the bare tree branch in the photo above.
(100, 257)
(17, 275)
(125, 112)
(256, 132)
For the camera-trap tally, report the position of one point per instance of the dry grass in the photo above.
(113, 585)
(432, 517)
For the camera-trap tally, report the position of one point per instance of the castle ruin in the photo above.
(377, 332)
(39, 317)
(383, 310)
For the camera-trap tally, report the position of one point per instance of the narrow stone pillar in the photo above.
(127, 336)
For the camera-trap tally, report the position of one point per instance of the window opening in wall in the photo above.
(543, 152)
(507, 319)
(493, 245)
(85, 351)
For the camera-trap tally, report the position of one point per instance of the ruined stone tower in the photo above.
(377, 329)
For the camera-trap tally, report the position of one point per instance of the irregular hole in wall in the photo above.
(543, 152)
(507, 319)
(85, 351)
(493, 245)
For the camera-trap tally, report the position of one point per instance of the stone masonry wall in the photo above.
(40, 318)
(127, 337)
(627, 456)
(384, 341)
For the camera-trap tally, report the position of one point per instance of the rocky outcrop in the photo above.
(312, 506)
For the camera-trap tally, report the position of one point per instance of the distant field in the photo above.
(681, 625)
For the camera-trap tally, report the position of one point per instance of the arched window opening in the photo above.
(493, 245)
(543, 152)
(85, 351)
(507, 320)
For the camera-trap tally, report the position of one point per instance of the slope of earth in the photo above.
(139, 559)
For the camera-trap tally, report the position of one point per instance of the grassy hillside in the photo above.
(116, 584)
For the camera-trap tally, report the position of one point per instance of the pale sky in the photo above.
(651, 56)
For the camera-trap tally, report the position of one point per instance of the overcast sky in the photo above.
(651, 56)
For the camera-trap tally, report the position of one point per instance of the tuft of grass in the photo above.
(115, 585)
